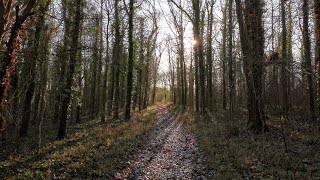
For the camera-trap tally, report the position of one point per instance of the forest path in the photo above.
(170, 151)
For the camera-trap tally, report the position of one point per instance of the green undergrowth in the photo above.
(233, 152)
(90, 151)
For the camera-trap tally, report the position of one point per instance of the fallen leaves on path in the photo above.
(169, 152)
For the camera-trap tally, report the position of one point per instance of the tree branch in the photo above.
(126, 7)
(187, 14)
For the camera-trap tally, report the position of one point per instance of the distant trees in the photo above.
(181, 84)
(268, 66)
(65, 67)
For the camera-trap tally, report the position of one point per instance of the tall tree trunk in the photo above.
(105, 78)
(230, 58)
(116, 60)
(179, 84)
(209, 57)
(146, 77)
(94, 70)
(155, 77)
(196, 75)
(99, 76)
(111, 88)
(180, 70)
(191, 84)
(40, 115)
(72, 63)
(307, 57)
(199, 48)
(30, 67)
(140, 64)
(317, 46)
(43, 10)
(290, 54)
(252, 45)
(130, 63)
(284, 74)
(62, 61)
(224, 58)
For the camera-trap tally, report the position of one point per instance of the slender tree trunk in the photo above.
(209, 58)
(191, 84)
(72, 63)
(130, 63)
(62, 61)
(42, 89)
(99, 76)
(30, 79)
(199, 54)
(172, 77)
(79, 100)
(105, 78)
(290, 54)
(307, 57)
(317, 42)
(141, 62)
(252, 45)
(284, 75)
(196, 75)
(111, 88)
(95, 72)
(116, 60)
(155, 77)
(230, 57)
(224, 58)
(146, 78)
(179, 84)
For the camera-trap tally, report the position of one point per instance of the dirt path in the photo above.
(170, 152)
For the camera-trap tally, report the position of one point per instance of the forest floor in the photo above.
(165, 142)
(290, 149)
(91, 151)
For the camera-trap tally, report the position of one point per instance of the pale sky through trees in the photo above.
(166, 27)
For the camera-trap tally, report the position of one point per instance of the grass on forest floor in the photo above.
(92, 150)
(235, 153)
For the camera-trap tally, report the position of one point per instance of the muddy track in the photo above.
(170, 151)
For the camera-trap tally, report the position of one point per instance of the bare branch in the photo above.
(187, 14)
